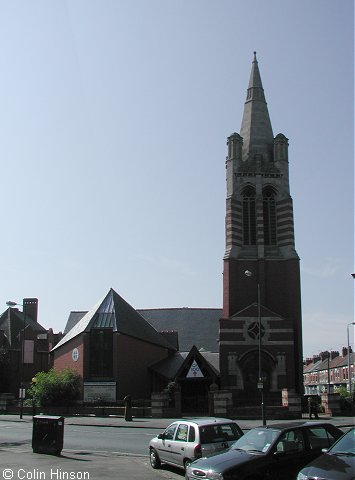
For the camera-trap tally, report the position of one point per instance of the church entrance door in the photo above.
(194, 396)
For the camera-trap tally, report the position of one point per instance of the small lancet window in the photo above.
(249, 216)
(269, 214)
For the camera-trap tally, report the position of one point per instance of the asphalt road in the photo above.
(92, 453)
(132, 441)
(100, 448)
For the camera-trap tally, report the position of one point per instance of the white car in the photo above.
(184, 441)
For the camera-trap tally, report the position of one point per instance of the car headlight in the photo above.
(214, 475)
(302, 476)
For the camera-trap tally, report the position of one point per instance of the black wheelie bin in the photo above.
(47, 434)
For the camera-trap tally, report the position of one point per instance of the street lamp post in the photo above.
(347, 331)
(260, 383)
(349, 365)
(22, 391)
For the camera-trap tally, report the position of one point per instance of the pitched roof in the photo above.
(198, 326)
(12, 322)
(112, 311)
(195, 326)
(321, 365)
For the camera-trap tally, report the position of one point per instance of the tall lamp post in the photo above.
(347, 331)
(349, 365)
(22, 390)
(260, 383)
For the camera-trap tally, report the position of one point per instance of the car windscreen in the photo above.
(257, 440)
(226, 432)
(346, 444)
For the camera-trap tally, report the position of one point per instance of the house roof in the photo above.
(112, 311)
(12, 322)
(336, 362)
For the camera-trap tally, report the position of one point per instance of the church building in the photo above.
(261, 331)
(255, 343)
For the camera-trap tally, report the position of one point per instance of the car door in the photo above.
(287, 456)
(165, 443)
(318, 437)
(178, 445)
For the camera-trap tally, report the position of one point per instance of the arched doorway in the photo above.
(249, 365)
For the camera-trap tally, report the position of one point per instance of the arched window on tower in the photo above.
(249, 220)
(269, 214)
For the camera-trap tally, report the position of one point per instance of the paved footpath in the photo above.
(162, 423)
(20, 463)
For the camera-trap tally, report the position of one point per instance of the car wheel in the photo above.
(154, 458)
(187, 463)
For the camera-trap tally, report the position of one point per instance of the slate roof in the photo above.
(11, 322)
(114, 312)
(195, 326)
(320, 365)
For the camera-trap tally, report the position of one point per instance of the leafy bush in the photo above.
(55, 387)
(346, 402)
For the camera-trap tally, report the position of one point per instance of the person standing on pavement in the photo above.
(312, 408)
(127, 408)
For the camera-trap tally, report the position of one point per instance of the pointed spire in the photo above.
(255, 79)
(256, 127)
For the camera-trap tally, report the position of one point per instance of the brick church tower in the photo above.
(261, 328)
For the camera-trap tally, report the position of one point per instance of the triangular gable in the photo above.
(194, 364)
(175, 365)
(252, 310)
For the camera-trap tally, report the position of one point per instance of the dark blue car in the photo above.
(275, 452)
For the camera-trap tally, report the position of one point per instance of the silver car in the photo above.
(184, 441)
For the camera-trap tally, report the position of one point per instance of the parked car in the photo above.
(185, 440)
(277, 451)
(338, 463)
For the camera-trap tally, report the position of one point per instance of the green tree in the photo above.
(55, 387)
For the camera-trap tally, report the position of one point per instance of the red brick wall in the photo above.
(63, 355)
(133, 359)
(280, 292)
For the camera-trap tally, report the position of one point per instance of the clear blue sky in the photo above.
(114, 116)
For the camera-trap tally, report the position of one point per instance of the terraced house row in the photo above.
(328, 372)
